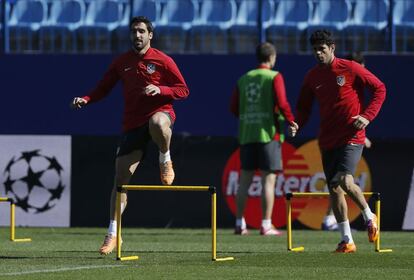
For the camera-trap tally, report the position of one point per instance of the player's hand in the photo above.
(360, 122)
(78, 102)
(293, 129)
(152, 90)
(367, 143)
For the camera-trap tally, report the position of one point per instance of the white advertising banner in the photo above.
(35, 172)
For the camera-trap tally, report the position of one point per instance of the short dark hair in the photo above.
(143, 19)
(321, 37)
(264, 51)
(357, 57)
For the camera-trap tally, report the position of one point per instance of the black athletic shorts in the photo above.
(136, 139)
(343, 159)
(263, 156)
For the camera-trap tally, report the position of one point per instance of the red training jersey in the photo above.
(339, 90)
(281, 102)
(136, 72)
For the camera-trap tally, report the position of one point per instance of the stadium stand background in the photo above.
(209, 26)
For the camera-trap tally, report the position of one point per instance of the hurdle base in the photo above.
(297, 249)
(384, 251)
(223, 259)
(21, 240)
(130, 258)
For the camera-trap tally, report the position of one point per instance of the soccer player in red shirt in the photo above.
(329, 221)
(338, 86)
(151, 82)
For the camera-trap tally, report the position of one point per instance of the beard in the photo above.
(138, 45)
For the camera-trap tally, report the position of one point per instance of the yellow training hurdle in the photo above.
(212, 191)
(12, 221)
(289, 196)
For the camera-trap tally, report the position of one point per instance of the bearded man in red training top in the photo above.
(151, 82)
(338, 86)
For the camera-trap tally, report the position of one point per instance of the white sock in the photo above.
(367, 214)
(267, 223)
(165, 157)
(345, 230)
(112, 228)
(241, 223)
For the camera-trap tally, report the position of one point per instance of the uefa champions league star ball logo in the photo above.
(33, 181)
(253, 92)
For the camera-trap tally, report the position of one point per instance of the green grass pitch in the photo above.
(72, 253)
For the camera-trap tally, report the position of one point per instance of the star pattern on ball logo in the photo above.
(34, 181)
(253, 92)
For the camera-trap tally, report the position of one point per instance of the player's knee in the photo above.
(335, 189)
(346, 182)
(159, 121)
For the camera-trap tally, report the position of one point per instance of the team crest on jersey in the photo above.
(340, 80)
(150, 68)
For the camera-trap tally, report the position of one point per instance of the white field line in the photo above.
(59, 269)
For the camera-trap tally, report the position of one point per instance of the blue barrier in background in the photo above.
(36, 91)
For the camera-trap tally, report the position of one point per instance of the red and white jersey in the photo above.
(339, 90)
(136, 72)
